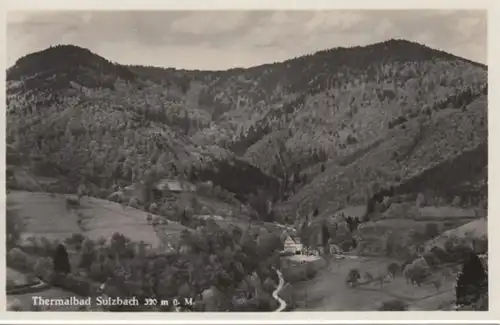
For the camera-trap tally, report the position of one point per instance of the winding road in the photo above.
(276, 292)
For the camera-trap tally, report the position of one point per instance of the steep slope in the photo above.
(289, 116)
(433, 155)
(338, 98)
(60, 116)
(316, 131)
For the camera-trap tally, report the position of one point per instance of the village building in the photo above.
(167, 187)
(293, 245)
(208, 217)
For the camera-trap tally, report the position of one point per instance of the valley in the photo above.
(168, 183)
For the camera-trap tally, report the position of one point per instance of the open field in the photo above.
(46, 215)
(328, 291)
(474, 229)
(16, 278)
(418, 216)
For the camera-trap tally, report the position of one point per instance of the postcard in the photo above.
(222, 161)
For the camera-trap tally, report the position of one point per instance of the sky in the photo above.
(217, 40)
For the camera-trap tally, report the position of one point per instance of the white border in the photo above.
(288, 317)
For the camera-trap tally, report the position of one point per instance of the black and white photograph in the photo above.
(246, 160)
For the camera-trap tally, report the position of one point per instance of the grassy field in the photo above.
(328, 290)
(16, 277)
(475, 229)
(46, 215)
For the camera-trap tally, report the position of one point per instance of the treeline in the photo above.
(236, 265)
(442, 179)
(238, 177)
(68, 63)
(457, 101)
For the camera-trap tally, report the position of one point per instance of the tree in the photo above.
(390, 243)
(353, 276)
(472, 281)
(416, 272)
(87, 256)
(449, 245)
(456, 201)
(461, 251)
(268, 243)
(420, 202)
(436, 282)
(133, 202)
(431, 259)
(325, 234)
(431, 230)
(393, 269)
(75, 240)
(415, 236)
(82, 190)
(259, 202)
(153, 208)
(346, 245)
(42, 267)
(440, 253)
(117, 243)
(352, 223)
(61, 260)
(13, 228)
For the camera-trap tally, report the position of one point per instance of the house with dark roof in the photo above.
(171, 185)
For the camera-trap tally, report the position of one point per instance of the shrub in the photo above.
(153, 208)
(431, 230)
(431, 259)
(393, 269)
(417, 271)
(440, 254)
(20, 260)
(72, 203)
(353, 276)
(43, 268)
(134, 203)
(75, 240)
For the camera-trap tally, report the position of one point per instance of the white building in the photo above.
(293, 245)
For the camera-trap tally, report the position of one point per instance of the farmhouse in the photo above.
(293, 245)
(208, 217)
(170, 186)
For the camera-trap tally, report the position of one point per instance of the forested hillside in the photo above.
(314, 132)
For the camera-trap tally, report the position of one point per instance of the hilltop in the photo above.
(319, 131)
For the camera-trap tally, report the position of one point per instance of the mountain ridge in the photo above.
(284, 118)
(389, 41)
